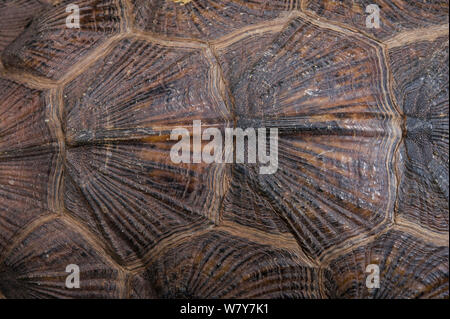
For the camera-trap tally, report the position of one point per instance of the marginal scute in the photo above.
(36, 267)
(49, 48)
(396, 16)
(408, 268)
(420, 73)
(218, 265)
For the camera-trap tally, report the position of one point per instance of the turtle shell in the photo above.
(86, 176)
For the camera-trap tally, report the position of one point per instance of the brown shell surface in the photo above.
(86, 177)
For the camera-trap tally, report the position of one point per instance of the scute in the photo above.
(86, 176)
(421, 88)
(123, 129)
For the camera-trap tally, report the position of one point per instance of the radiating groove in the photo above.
(156, 99)
(23, 119)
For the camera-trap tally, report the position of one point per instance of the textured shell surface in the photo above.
(357, 92)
